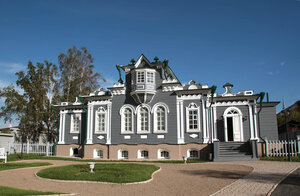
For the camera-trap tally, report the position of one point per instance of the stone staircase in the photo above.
(233, 151)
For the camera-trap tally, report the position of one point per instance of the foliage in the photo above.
(291, 115)
(294, 159)
(16, 157)
(9, 191)
(77, 76)
(116, 173)
(8, 166)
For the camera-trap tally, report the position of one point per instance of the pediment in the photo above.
(143, 62)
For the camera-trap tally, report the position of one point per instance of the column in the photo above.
(215, 123)
(205, 138)
(181, 122)
(89, 139)
(108, 136)
(60, 128)
(251, 122)
(255, 122)
(178, 121)
(207, 120)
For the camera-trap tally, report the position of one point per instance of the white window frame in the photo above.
(154, 112)
(159, 154)
(192, 107)
(140, 75)
(122, 110)
(140, 154)
(188, 153)
(138, 111)
(101, 110)
(149, 76)
(72, 122)
(120, 153)
(96, 153)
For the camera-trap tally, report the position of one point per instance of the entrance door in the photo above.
(229, 129)
(233, 125)
(236, 128)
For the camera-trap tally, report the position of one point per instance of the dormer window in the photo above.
(150, 77)
(140, 77)
(145, 76)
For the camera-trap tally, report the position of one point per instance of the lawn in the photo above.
(17, 157)
(116, 173)
(8, 191)
(294, 159)
(7, 166)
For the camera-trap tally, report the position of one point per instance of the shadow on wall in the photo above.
(204, 153)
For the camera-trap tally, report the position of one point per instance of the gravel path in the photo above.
(172, 179)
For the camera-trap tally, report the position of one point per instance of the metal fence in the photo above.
(39, 149)
(279, 148)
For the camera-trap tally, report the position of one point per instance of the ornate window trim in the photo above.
(160, 152)
(122, 110)
(154, 112)
(75, 115)
(141, 154)
(101, 110)
(138, 112)
(122, 154)
(231, 112)
(188, 153)
(192, 107)
(97, 154)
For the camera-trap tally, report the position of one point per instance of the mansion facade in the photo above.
(151, 115)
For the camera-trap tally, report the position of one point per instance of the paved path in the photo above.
(261, 181)
(172, 179)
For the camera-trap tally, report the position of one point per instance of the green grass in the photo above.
(7, 166)
(9, 191)
(116, 173)
(17, 157)
(295, 159)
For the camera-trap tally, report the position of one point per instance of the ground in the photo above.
(172, 179)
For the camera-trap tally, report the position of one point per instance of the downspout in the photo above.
(261, 96)
(57, 130)
(85, 131)
(213, 90)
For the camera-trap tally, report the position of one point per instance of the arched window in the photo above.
(163, 154)
(143, 119)
(160, 111)
(127, 119)
(122, 154)
(98, 154)
(74, 152)
(193, 118)
(143, 154)
(100, 120)
(193, 154)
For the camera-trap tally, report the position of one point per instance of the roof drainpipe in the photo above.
(213, 90)
(261, 96)
(57, 130)
(85, 131)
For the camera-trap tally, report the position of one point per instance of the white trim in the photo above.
(178, 120)
(192, 107)
(205, 138)
(89, 139)
(133, 111)
(240, 115)
(120, 154)
(251, 122)
(154, 112)
(255, 122)
(139, 154)
(101, 110)
(215, 124)
(76, 115)
(159, 153)
(108, 121)
(61, 128)
(181, 123)
(95, 153)
(190, 97)
(230, 103)
(138, 108)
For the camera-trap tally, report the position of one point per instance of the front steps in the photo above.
(233, 151)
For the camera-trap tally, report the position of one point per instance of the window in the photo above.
(193, 154)
(100, 120)
(143, 154)
(98, 153)
(127, 119)
(150, 77)
(74, 152)
(193, 118)
(163, 154)
(160, 111)
(75, 123)
(140, 77)
(143, 118)
(123, 154)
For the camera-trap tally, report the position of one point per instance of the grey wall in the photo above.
(69, 136)
(268, 123)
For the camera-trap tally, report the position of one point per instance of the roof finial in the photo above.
(132, 61)
(156, 59)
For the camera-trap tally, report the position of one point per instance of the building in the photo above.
(153, 116)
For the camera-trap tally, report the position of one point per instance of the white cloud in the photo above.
(270, 73)
(11, 68)
(282, 63)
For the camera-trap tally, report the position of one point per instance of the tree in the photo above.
(77, 76)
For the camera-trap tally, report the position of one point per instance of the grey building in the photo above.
(151, 115)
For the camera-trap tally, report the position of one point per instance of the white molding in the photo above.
(62, 128)
(154, 112)
(193, 135)
(138, 108)
(215, 124)
(89, 122)
(240, 115)
(255, 122)
(192, 107)
(108, 120)
(127, 137)
(172, 88)
(72, 122)
(144, 136)
(139, 154)
(182, 124)
(101, 110)
(190, 97)
(159, 153)
(95, 153)
(251, 122)
(160, 136)
(178, 120)
(99, 102)
(133, 111)
(230, 103)
(189, 155)
(204, 121)
(118, 91)
(120, 154)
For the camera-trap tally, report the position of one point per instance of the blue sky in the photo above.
(254, 45)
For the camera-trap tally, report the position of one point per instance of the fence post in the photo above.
(27, 147)
(298, 145)
(267, 147)
(47, 149)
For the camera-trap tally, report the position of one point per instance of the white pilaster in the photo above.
(215, 123)
(205, 138)
(62, 128)
(255, 122)
(60, 141)
(89, 122)
(251, 122)
(178, 121)
(182, 124)
(108, 136)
